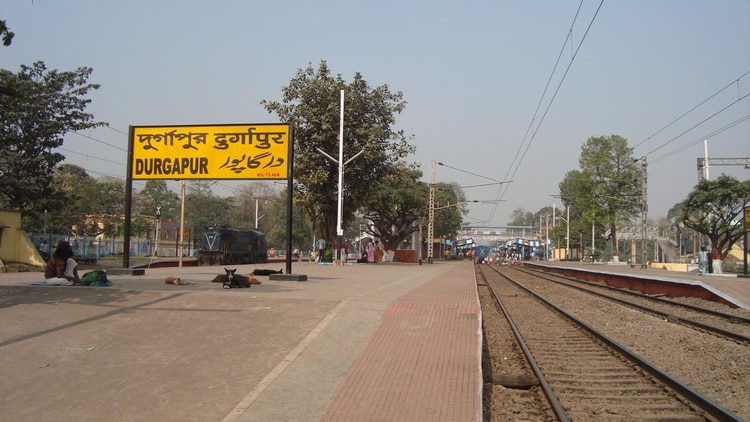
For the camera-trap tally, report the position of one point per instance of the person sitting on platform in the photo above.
(62, 269)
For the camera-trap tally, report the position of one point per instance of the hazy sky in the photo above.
(473, 74)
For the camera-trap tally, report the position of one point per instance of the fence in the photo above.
(99, 247)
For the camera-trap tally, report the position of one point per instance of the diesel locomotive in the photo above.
(223, 245)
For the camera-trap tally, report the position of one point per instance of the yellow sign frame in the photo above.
(220, 152)
(747, 219)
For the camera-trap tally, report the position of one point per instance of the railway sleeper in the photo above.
(595, 389)
(518, 381)
(603, 380)
(612, 400)
(625, 416)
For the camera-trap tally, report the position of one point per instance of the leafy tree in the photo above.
(576, 191)
(204, 208)
(245, 200)
(46, 106)
(141, 227)
(79, 190)
(311, 103)
(80, 205)
(683, 235)
(715, 209)
(398, 200)
(606, 190)
(450, 208)
(109, 206)
(155, 194)
(521, 217)
(7, 35)
(275, 216)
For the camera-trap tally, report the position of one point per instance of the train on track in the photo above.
(223, 245)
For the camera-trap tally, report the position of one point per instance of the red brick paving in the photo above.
(423, 363)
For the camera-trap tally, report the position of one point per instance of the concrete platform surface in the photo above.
(404, 339)
(735, 289)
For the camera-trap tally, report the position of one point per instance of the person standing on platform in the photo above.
(321, 245)
(702, 261)
(371, 252)
(378, 252)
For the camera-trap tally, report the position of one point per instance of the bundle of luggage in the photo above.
(95, 278)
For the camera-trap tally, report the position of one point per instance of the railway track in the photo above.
(723, 324)
(584, 375)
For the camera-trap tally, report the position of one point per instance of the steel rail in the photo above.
(670, 317)
(557, 408)
(702, 402)
(728, 317)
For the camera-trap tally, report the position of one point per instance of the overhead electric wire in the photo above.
(698, 124)
(468, 172)
(100, 141)
(736, 81)
(700, 139)
(544, 92)
(512, 172)
(91, 156)
(228, 188)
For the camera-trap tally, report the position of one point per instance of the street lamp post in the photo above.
(342, 164)
(567, 231)
(546, 245)
(567, 226)
(567, 234)
(156, 234)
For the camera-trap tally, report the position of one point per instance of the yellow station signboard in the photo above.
(238, 151)
(747, 219)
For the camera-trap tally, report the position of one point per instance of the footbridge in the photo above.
(494, 235)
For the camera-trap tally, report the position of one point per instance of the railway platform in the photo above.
(734, 289)
(376, 342)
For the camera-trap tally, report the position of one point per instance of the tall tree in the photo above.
(450, 208)
(155, 194)
(45, 106)
(204, 208)
(251, 206)
(79, 190)
(398, 200)
(311, 102)
(607, 189)
(276, 229)
(586, 219)
(521, 217)
(715, 209)
(5, 34)
(110, 206)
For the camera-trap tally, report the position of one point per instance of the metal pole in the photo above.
(705, 159)
(182, 223)
(431, 213)
(156, 240)
(644, 211)
(745, 266)
(339, 222)
(256, 214)
(567, 235)
(546, 233)
(747, 229)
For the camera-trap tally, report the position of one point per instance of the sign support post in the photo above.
(747, 229)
